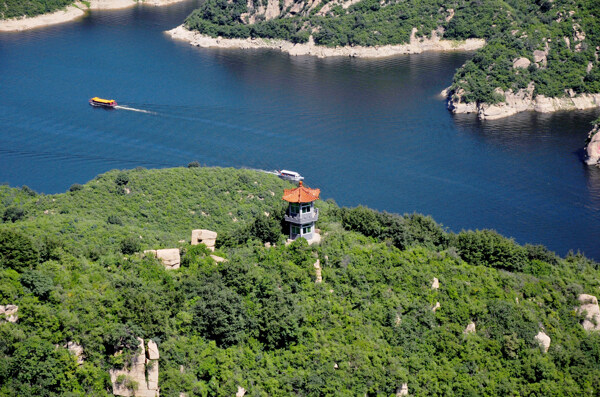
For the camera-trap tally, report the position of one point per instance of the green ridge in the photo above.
(259, 320)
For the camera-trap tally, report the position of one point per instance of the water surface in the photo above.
(371, 132)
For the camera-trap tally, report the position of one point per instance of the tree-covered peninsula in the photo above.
(546, 49)
(384, 305)
(29, 8)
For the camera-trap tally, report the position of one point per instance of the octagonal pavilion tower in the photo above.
(301, 214)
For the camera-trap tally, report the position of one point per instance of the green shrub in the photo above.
(114, 220)
(488, 248)
(122, 179)
(75, 187)
(17, 251)
(13, 214)
(130, 245)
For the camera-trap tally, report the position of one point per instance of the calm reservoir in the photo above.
(371, 132)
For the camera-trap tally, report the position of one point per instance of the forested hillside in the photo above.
(30, 8)
(563, 34)
(401, 299)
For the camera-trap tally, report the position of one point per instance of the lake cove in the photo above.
(371, 132)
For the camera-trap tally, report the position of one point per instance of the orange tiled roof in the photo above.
(301, 194)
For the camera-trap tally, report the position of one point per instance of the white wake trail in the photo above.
(134, 109)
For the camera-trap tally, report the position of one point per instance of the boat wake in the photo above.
(134, 109)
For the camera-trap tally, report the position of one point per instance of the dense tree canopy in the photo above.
(259, 320)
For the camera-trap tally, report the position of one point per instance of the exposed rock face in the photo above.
(522, 63)
(470, 328)
(520, 101)
(153, 350)
(319, 277)
(416, 45)
(169, 257)
(241, 392)
(592, 149)
(133, 381)
(435, 284)
(9, 313)
(206, 237)
(543, 340)
(77, 351)
(540, 57)
(589, 305)
(402, 391)
(437, 306)
(218, 259)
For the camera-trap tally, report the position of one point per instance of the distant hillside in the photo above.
(403, 305)
(18, 8)
(557, 42)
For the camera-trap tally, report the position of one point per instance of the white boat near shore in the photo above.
(290, 175)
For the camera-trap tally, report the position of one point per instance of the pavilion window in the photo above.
(305, 208)
(294, 208)
(306, 229)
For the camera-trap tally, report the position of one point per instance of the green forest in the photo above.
(565, 30)
(72, 263)
(29, 8)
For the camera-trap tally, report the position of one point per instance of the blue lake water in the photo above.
(371, 132)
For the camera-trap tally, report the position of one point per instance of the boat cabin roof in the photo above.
(292, 173)
(96, 99)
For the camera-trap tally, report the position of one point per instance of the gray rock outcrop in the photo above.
(521, 63)
(241, 392)
(437, 306)
(152, 350)
(435, 284)
(592, 149)
(9, 313)
(589, 306)
(543, 340)
(319, 277)
(133, 381)
(471, 329)
(402, 391)
(169, 257)
(76, 350)
(206, 237)
(218, 259)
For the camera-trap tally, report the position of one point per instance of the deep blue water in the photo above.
(371, 132)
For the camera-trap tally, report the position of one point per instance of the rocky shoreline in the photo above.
(73, 12)
(522, 100)
(416, 45)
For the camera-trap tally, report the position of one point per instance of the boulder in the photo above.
(76, 350)
(592, 149)
(539, 57)
(206, 237)
(522, 63)
(218, 259)
(403, 390)
(543, 340)
(10, 313)
(437, 306)
(241, 392)
(470, 328)
(152, 352)
(169, 257)
(435, 284)
(589, 306)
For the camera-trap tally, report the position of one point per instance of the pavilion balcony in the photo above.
(304, 218)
